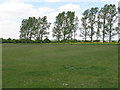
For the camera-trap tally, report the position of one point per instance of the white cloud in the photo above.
(52, 0)
(63, 0)
(69, 0)
(77, 0)
(69, 7)
(104, 0)
(9, 29)
(12, 12)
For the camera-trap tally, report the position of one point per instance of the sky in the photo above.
(12, 12)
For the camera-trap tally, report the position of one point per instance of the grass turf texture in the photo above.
(60, 66)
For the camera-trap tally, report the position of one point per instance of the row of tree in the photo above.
(65, 26)
(34, 28)
(95, 21)
(102, 19)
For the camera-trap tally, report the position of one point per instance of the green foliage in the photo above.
(47, 40)
(32, 28)
(84, 28)
(96, 41)
(65, 25)
(92, 21)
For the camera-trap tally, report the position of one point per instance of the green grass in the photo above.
(88, 43)
(60, 66)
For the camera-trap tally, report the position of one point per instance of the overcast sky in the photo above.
(12, 12)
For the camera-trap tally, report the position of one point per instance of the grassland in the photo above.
(60, 66)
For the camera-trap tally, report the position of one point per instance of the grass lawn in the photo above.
(60, 66)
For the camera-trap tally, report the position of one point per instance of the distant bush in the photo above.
(96, 41)
(86, 41)
(46, 40)
(64, 40)
(38, 41)
(25, 41)
(75, 40)
(113, 41)
(54, 41)
(79, 41)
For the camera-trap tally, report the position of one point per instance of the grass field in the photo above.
(60, 66)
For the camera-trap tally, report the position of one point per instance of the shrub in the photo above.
(96, 41)
(46, 40)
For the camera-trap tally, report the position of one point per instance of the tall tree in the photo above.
(103, 14)
(118, 29)
(32, 27)
(118, 33)
(76, 26)
(84, 28)
(24, 29)
(57, 28)
(42, 27)
(111, 20)
(70, 16)
(92, 21)
(27, 28)
(38, 28)
(99, 26)
(64, 25)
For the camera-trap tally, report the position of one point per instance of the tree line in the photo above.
(95, 22)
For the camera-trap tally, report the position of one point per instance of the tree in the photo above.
(103, 15)
(64, 25)
(24, 29)
(27, 28)
(99, 25)
(32, 27)
(117, 29)
(38, 28)
(84, 28)
(57, 28)
(42, 27)
(92, 21)
(111, 20)
(70, 16)
(76, 26)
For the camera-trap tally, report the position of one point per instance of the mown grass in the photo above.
(60, 66)
(88, 43)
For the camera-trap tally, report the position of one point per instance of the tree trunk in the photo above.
(64, 39)
(97, 36)
(103, 30)
(110, 37)
(110, 32)
(58, 40)
(71, 36)
(41, 39)
(91, 33)
(85, 34)
(74, 35)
